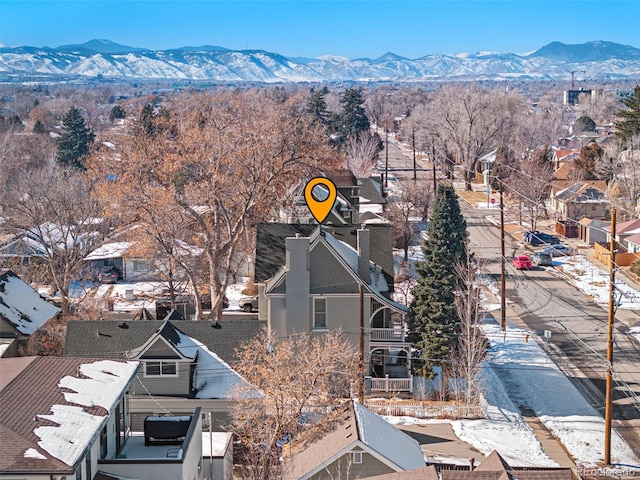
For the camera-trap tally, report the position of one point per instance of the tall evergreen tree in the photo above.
(352, 118)
(584, 124)
(628, 124)
(434, 324)
(75, 142)
(38, 127)
(116, 112)
(317, 105)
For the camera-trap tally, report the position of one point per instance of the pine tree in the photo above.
(38, 127)
(584, 124)
(434, 323)
(628, 124)
(317, 105)
(75, 142)
(353, 117)
(116, 112)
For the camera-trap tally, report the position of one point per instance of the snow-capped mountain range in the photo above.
(105, 59)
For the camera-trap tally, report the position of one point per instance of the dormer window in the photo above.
(161, 369)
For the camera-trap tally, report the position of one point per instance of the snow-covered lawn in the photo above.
(534, 381)
(594, 281)
(519, 373)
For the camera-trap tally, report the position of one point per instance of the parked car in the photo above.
(541, 259)
(109, 274)
(560, 250)
(536, 238)
(205, 301)
(249, 304)
(522, 262)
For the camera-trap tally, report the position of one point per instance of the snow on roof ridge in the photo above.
(102, 385)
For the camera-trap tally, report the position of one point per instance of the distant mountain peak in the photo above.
(101, 46)
(592, 51)
(101, 58)
(389, 57)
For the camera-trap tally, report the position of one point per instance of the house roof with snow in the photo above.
(116, 339)
(22, 309)
(212, 377)
(42, 414)
(371, 191)
(358, 427)
(494, 467)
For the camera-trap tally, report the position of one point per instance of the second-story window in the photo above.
(319, 313)
(161, 369)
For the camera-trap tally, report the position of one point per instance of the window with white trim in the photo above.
(160, 369)
(357, 457)
(141, 266)
(319, 313)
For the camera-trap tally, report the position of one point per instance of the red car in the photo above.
(522, 262)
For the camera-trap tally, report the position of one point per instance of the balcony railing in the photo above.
(386, 335)
(391, 384)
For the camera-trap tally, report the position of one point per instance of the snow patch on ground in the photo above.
(595, 282)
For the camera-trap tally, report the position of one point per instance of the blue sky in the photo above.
(353, 29)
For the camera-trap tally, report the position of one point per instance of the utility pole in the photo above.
(609, 387)
(361, 362)
(503, 289)
(433, 165)
(386, 153)
(413, 141)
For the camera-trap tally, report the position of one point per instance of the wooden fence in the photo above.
(426, 409)
(623, 258)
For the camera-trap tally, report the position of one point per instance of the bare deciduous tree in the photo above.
(466, 361)
(224, 159)
(55, 209)
(530, 186)
(301, 378)
(361, 151)
(471, 121)
(410, 208)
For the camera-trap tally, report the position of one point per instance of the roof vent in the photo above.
(123, 325)
(216, 325)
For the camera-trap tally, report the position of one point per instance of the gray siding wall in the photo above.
(164, 385)
(344, 469)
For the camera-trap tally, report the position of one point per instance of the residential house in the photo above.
(494, 467)
(371, 197)
(345, 209)
(581, 199)
(427, 473)
(592, 230)
(184, 364)
(20, 250)
(22, 311)
(122, 255)
(360, 444)
(625, 231)
(318, 289)
(564, 155)
(271, 252)
(66, 417)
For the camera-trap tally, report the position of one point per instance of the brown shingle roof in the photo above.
(427, 473)
(30, 389)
